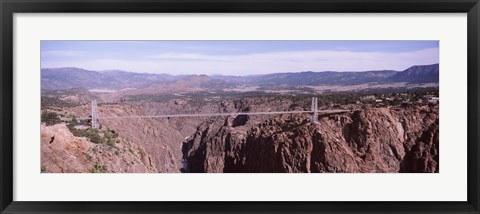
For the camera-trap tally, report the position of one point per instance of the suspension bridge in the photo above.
(313, 111)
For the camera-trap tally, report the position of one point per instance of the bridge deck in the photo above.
(218, 114)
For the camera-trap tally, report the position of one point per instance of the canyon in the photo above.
(389, 122)
(368, 138)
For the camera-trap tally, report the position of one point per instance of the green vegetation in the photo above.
(91, 134)
(60, 98)
(74, 120)
(97, 168)
(109, 136)
(49, 102)
(152, 97)
(50, 118)
(111, 142)
(388, 96)
(43, 168)
(94, 135)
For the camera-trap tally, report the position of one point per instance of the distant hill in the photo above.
(192, 81)
(418, 74)
(323, 78)
(64, 78)
(414, 74)
(128, 77)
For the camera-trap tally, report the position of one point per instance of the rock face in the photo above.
(370, 140)
(162, 137)
(62, 152)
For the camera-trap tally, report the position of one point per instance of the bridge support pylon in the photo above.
(314, 110)
(95, 124)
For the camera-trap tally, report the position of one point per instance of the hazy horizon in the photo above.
(240, 75)
(238, 58)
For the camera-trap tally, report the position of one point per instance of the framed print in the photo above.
(263, 106)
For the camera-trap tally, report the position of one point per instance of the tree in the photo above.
(50, 118)
(74, 120)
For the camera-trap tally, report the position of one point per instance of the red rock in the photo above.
(373, 140)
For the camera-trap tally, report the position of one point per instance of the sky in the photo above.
(238, 57)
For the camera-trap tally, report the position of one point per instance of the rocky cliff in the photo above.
(162, 137)
(62, 152)
(368, 140)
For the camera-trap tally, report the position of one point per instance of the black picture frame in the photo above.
(9, 7)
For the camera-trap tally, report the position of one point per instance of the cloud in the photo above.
(261, 63)
(62, 53)
(184, 57)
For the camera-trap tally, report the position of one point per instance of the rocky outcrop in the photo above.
(62, 152)
(162, 137)
(383, 139)
(369, 140)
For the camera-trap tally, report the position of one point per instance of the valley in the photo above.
(390, 123)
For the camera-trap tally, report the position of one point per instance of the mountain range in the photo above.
(70, 77)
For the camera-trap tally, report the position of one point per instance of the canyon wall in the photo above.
(372, 139)
(367, 140)
(62, 152)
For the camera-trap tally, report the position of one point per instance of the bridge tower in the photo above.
(95, 124)
(314, 110)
